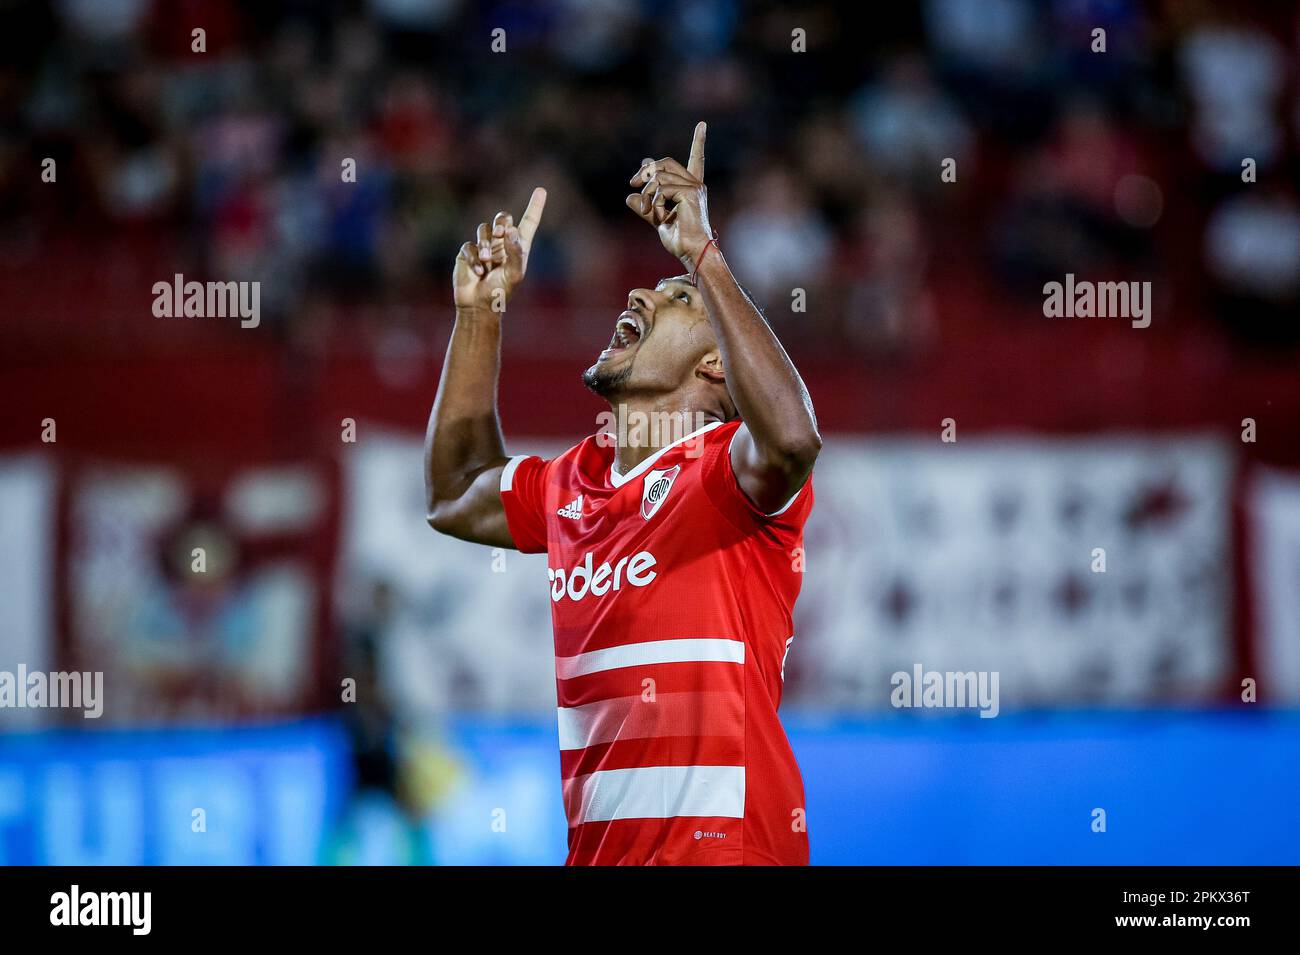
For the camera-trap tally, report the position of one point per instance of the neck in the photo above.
(644, 428)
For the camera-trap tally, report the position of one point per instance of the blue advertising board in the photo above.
(1171, 788)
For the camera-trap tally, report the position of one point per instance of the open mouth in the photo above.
(627, 333)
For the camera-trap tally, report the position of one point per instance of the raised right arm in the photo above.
(464, 453)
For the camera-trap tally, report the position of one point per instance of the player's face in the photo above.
(657, 342)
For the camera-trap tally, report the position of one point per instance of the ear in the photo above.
(710, 368)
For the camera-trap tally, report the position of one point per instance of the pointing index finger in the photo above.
(531, 218)
(695, 165)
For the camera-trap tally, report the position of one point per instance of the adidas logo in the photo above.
(572, 510)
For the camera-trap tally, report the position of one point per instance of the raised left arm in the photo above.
(777, 443)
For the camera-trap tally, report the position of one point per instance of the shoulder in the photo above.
(725, 434)
(590, 452)
(728, 496)
(592, 456)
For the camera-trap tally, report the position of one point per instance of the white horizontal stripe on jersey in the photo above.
(688, 650)
(660, 792)
(691, 713)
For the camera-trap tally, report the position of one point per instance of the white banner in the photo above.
(1082, 571)
(27, 497)
(470, 626)
(1273, 503)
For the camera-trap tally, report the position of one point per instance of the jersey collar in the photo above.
(618, 480)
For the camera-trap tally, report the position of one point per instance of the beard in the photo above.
(606, 383)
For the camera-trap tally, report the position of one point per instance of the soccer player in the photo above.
(675, 553)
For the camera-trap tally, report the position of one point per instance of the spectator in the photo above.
(777, 241)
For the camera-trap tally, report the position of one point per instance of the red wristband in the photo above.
(703, 252)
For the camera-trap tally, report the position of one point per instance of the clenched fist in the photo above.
(488, 269)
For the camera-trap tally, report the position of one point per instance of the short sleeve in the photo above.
(782, 527)
(523, 495)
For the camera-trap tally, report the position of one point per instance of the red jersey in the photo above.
(671, 599)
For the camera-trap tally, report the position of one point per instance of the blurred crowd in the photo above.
(825, 165)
